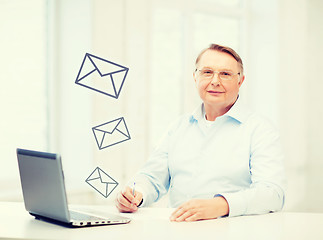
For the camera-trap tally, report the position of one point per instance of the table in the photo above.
(154, 224)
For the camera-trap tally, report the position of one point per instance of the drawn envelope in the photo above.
(111, 133)
(101, 182)
(101, 75)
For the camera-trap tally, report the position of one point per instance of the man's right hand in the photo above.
(127, 202)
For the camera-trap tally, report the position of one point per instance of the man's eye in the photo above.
(207, 72)
(227, 74)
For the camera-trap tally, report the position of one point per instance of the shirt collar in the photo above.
(237, 112)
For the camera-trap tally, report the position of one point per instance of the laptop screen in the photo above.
(42, 182)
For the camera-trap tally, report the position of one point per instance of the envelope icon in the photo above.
(111, 133)
(101, 75)
(101, 182)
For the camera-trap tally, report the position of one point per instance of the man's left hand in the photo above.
(200, 209)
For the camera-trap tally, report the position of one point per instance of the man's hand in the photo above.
(126, 202)
(200, 209)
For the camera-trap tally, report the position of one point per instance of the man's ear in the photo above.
(241, 81)
(194, 76)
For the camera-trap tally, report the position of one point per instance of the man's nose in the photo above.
(215, 79)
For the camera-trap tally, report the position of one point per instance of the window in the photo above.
(167, 67)
(23, 100)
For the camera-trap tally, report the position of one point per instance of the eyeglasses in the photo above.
(208, 74)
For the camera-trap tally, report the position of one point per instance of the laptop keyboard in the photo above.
(83, 217)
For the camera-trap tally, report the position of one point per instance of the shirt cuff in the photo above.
(237, 205)
(144, 196)
(140, 187)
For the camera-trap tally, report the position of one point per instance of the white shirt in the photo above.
(238, 156)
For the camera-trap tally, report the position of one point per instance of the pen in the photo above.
(133, 192)
(133, 189)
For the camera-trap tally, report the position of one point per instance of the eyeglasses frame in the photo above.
(218, 72)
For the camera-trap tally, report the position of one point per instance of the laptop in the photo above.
(43, 188)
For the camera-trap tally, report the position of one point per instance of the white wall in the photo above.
(23, 121)
(314, 117)
(70, 111)
(293, 112)
(262, 60)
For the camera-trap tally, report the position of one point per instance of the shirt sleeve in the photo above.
(154, 178)
(268, 181)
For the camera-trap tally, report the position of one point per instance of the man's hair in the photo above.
(223, 49)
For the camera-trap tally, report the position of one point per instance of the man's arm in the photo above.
(268, 181)
(201, 209)
(152, 181)
(266, 192)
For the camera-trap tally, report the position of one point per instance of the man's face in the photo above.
(216, 92)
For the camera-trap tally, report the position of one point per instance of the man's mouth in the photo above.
(214, 92)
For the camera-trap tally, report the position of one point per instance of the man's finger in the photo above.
(137, 198)
(177, 213)
(192, 218)
(184, 216)
(127, 193)
(122, 208)
(125, 202)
